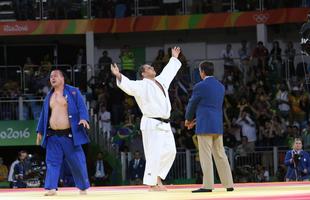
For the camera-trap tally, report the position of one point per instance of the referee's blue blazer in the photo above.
(206, 106)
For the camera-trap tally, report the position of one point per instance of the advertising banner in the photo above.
(18, 133)
(155, 23)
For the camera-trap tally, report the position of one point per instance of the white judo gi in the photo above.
(158, 141)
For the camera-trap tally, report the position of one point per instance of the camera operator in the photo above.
(297, 162)
(21, 170)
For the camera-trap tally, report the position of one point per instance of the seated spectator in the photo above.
(298, 163)
(102, 171)
(261, 174)
(244, 148)
(136, 169)
(3, 171)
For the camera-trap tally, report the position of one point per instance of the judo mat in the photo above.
(245, 191)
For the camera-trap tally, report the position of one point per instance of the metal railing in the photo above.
(34, 79)
(20, 108)
(187, 166)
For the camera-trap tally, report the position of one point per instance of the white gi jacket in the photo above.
(150, 98)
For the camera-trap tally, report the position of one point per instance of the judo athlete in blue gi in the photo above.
(297, 162)
(61, 130)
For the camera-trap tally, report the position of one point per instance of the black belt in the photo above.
(63, 132)
(161, 119)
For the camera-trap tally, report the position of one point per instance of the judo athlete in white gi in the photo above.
(152, 97)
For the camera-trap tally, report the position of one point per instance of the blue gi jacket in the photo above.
(304, 163)
(207, 102)
(76, 111)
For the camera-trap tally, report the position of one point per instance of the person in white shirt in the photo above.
(282, 100)
(228, 56)
(248, 127)
(151, 95)
(105, 120)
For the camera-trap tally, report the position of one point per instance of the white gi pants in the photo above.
(159, 149)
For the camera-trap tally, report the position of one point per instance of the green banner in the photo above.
(18, 133)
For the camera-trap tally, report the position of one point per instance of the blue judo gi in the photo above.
(59, 148)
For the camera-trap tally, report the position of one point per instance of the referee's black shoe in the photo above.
(201, 190)
(229, 189)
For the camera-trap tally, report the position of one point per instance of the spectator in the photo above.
(136, 169)
(104, 9)
(3, 171)
(244, 56)
(289, 54)
(261, 174)
(21, 170)
(127, 58)
(229, 83)
(248, 127)
(102, 171)
(11, 177)
(281, 173)
(297, 114)
(298, 162)
(244, 148)
(283, 101)
(228, 56)
(305, 106)
(158, 63)
(116, 99)
(105, 119)
(276, 59)
(46, 62)
(104, 64)
(229, 138)
(259, 57)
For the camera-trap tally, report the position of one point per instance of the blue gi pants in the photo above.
(59, 148)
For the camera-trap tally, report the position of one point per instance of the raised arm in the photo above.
(133, 88)
(171, 69)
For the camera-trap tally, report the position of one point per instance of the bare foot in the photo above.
(161, 188)
(83, 192)
(159, 182)
(157, 188)
(160, 185)
(152, 188)
(50, 193)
